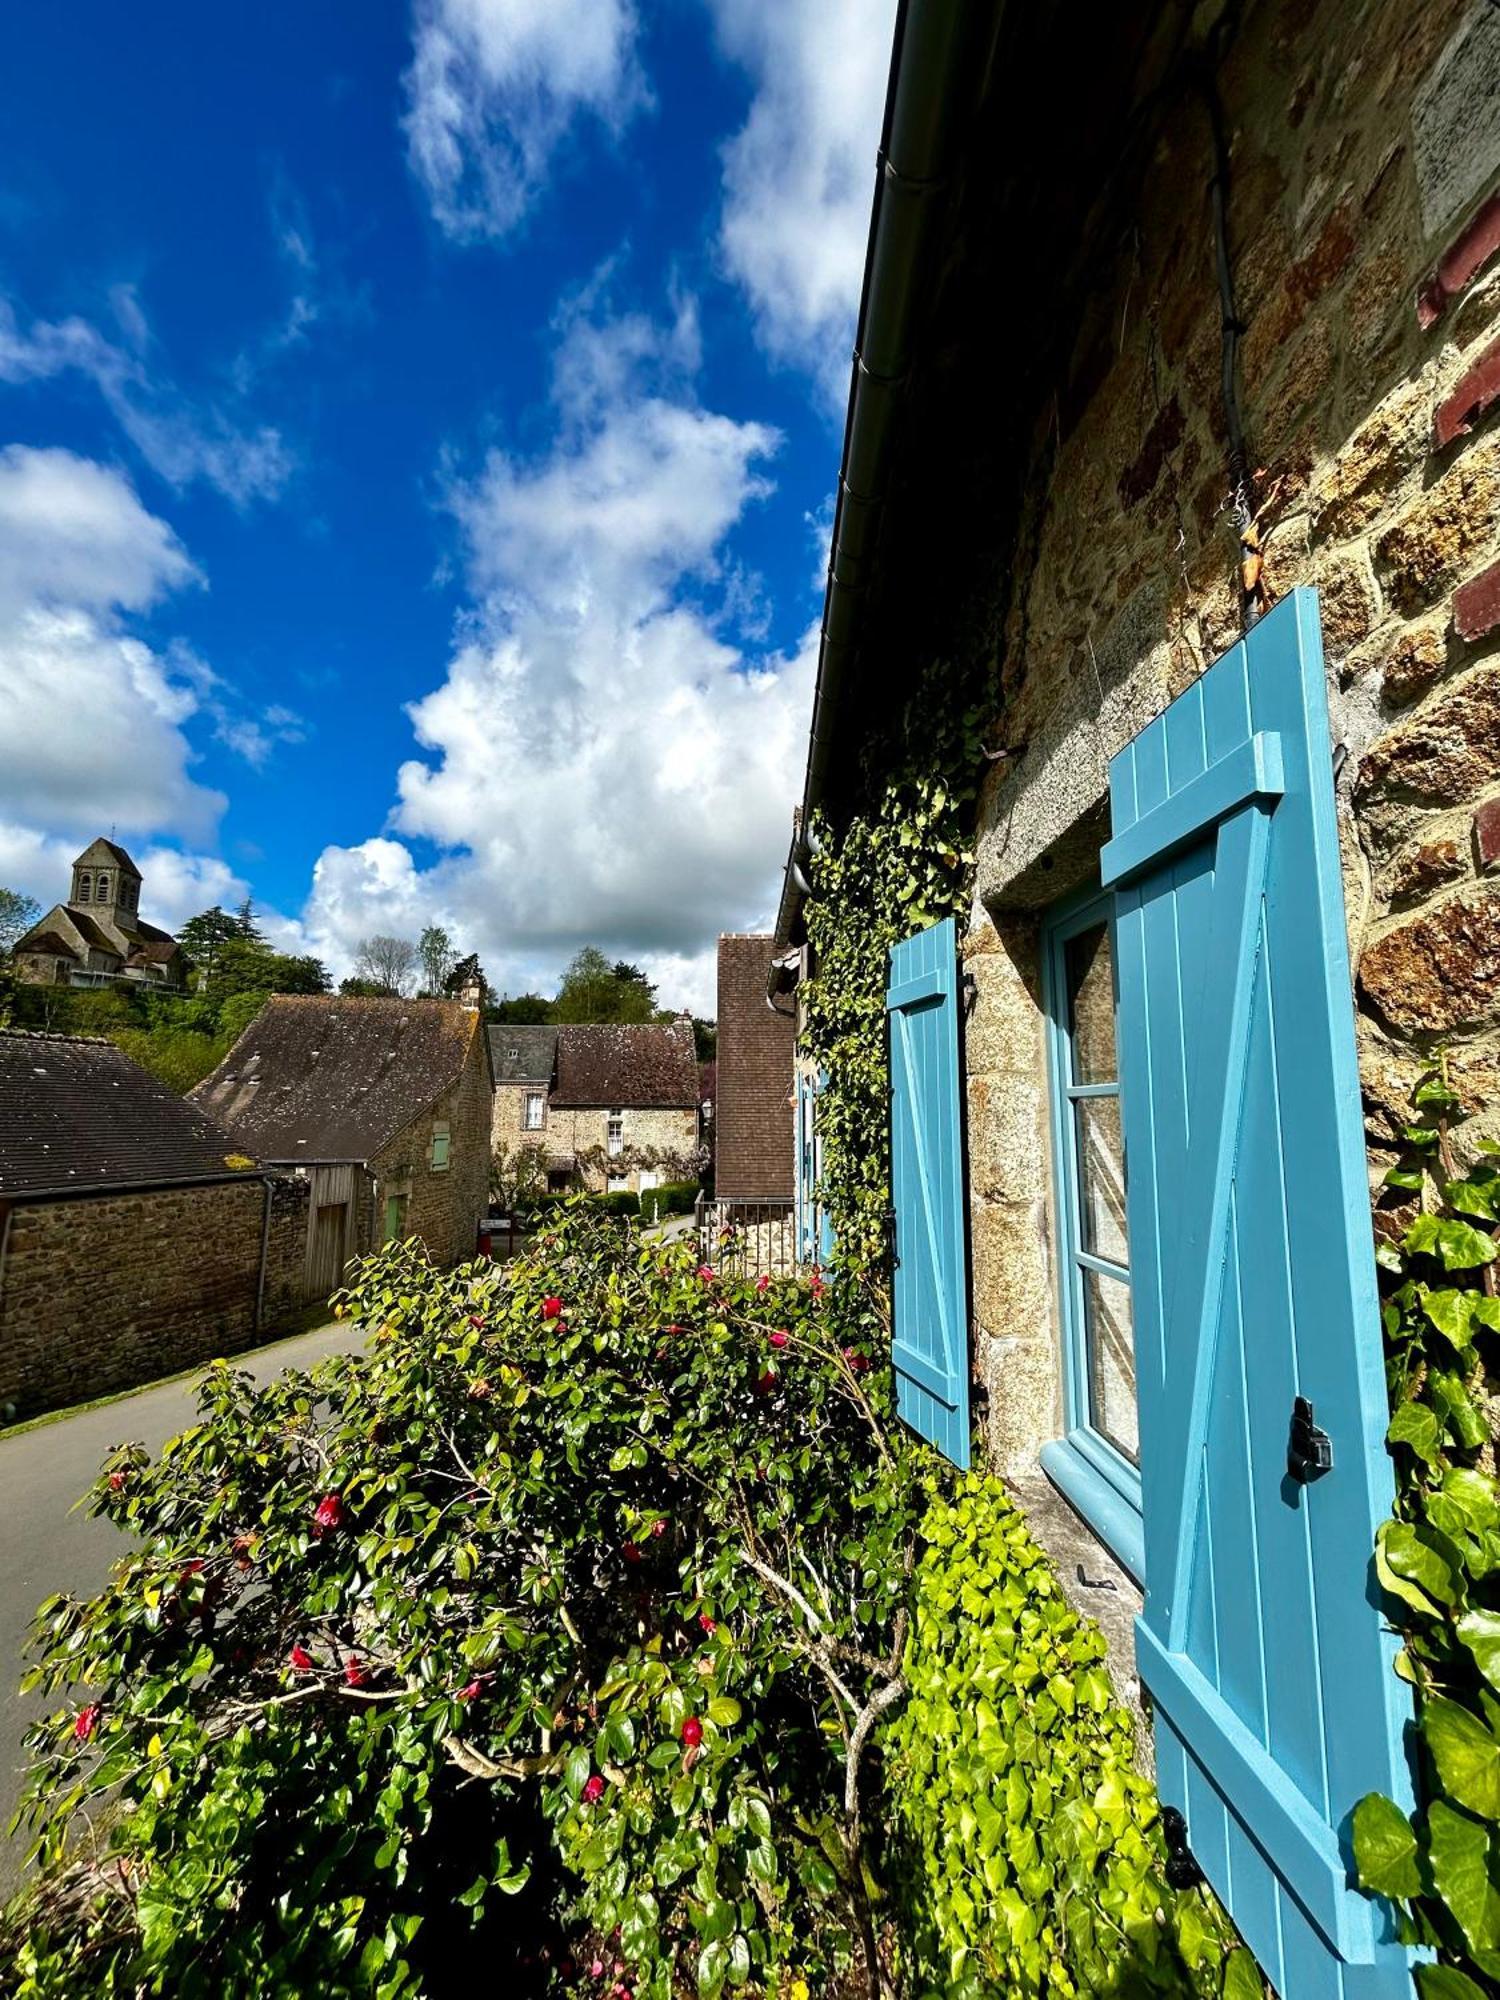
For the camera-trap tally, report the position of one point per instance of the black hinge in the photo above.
(1309, 1451)
(1183, 1871)
(889, 1220)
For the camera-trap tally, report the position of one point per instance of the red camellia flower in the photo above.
(472, 1692)
(763, 1284)
(552, 1308)
(631, 1552)
(780, 1337)
(816, 1284)
(593, 1791)
(329, 1513)
(87, 1722)
(692, 1732)
(116, 1481)
(354, 1673)
(708, 1624)
(658, 1529)
(766, 1383)
(706, 1273)
(857, 1361)
(300, 1660)
(476, 1320)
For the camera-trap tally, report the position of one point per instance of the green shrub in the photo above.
(1033, 1863)
(671, 1198)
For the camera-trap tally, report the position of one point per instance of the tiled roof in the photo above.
(332, 1078)
(754, 1140)
(638, 1068)
(116, 854)
(522, 1055)
(76, 1112)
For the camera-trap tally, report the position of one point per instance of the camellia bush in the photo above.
(548, 1636)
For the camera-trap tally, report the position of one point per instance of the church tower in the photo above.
(107, 883)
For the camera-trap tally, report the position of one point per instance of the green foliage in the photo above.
(1034, 1861)
(594, 990)
(518, 1179)
(525, 1010)
(1438, 1557)
(18, 912)
(671, 1198)
(902, 861)
(548, 1595)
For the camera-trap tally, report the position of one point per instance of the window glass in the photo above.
(533, 1119)
(1111, 1357)
(616, 1132)
(1101, 1176)
(1091, 1005)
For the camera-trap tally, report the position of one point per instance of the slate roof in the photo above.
(643, 1068)
(116, 854)
(324, 1077)
(536, 1050)
(754, 1139)
(76, 1112)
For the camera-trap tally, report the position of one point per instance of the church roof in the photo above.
(106, 850)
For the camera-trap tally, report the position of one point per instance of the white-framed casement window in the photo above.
(1096, 1461)
(618, 1183)
(615, 1133)
(438, 1158)
(534, 1112)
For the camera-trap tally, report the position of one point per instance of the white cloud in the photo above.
(94, 719)
(181, 440)
(494, 88)
(603, 763)
(800, 175)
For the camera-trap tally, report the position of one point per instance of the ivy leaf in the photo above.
(1463, 1419)
(1412, 1569)
(1405, 1177)
(1450, 1312)
(1457, 1245)
(1434, 1095)
(1480, 1632)
(1466, 1754)
(1385, 1848)
(1471, 1197)
(1459, 1850)
(1445, 1982)
(1242, 1980)
(1417, 1427)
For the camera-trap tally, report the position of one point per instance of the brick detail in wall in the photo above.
(1476, 605)
(1460, 264)
(1475, 396)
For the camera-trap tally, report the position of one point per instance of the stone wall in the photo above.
(1365, 242)
(663, 1141)
(103, 1292)
(284, 1291)
(509, 1110)
(443, 1205)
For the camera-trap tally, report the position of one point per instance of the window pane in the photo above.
(1091, 1005)
(1111, 1355)
(1101, 1177)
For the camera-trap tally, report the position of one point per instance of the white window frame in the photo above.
(614, 1133)
(534, 1101)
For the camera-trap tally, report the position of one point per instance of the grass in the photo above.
(307, 1321)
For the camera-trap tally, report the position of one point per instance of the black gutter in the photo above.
(939, 62)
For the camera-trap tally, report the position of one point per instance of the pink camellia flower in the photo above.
(87, 1722)
(631, 1552)
(706, 1273)
(857, 1361)
(329, 1513)
(708, 1624)
(593, 1791)
(816, 1285)
(658, 1529)
(596, 1969)
(766, 1383)
(552, 1308)
(116, 1481)
(354, 1673)
(780, 1337)
(300, 1660)
(763, 1283)
(691, 1732)
(472, 1692)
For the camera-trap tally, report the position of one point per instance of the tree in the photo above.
(18, 913)
(705, 1039)
(435, 950)
(386, 962)
(244, 917)
(243, 966)
(363, 989)
(467, 972)
(202, 937)
(594, 990)
(525, 1010)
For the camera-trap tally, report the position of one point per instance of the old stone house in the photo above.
(622, 1112)
(381, 1106)
(98, 937)
(133, 1240)
(1173, 466)
(523, 1060)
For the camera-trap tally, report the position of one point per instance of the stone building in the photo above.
(523, 1059)
(382, 1107)
(622, 1114)
(133, 1240)
(1175, 433)
(98, 937)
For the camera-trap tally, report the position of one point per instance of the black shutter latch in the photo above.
(889, 1219)
(1309, 1451)
(1183, 1871)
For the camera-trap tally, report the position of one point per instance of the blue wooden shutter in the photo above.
(931, 1344)
(1276, 1707)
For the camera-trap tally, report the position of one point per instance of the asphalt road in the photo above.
(44, 1547)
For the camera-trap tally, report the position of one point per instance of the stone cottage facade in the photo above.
(383, 1107)
(523, 1059)
(1190, 370)
(133, 1240)
(623, 1110)
(98, 937)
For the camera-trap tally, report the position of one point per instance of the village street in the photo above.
(45, 1547)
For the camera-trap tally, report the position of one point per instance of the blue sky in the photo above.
(418, 429)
